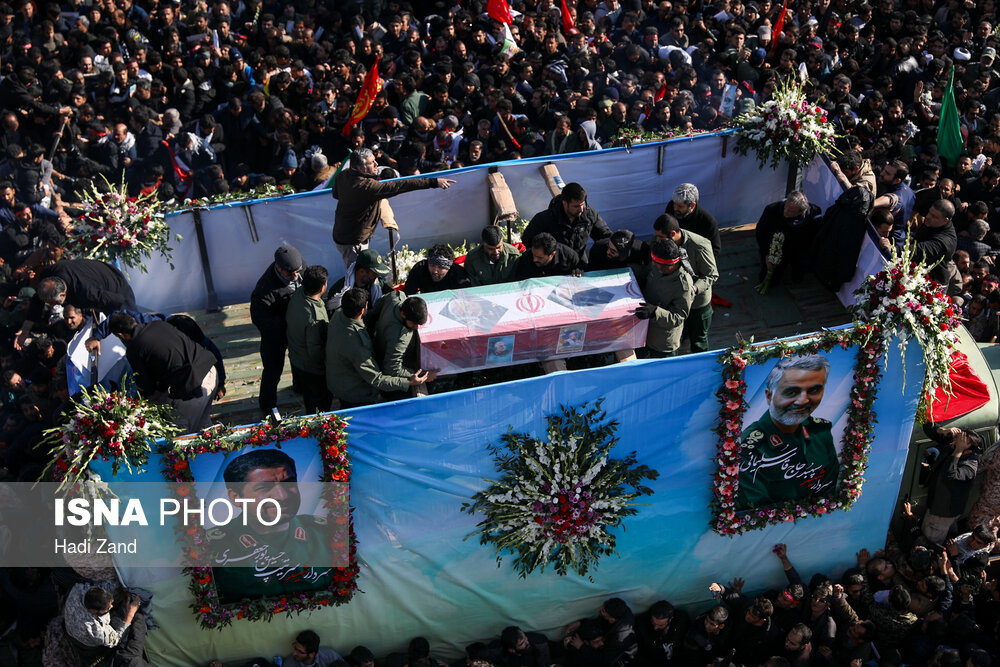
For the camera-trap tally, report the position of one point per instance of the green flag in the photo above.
(949, 136)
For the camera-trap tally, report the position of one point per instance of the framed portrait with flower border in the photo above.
(796, 443)
(310, 555)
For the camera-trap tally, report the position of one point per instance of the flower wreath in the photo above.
(329, 430)
(856, 441)
(557, 499)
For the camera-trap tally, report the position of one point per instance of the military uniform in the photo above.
(272, 564)
(352, 374)
(672, 295)
(699, 253)
(776, 467)
(484, 272)
(397, 347)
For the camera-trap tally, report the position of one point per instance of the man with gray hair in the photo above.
(360, 196)
(973, 242)
(788, 454)
(693, 217)
(796, 219)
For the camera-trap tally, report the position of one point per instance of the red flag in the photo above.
(778, 25)
(366, 97)
(660, 94)
(567, 20)
(499, 10)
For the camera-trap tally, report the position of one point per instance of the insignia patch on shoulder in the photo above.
(247, 540)
(753, 438)
(820, 420)
(216, 534)
(300, 534)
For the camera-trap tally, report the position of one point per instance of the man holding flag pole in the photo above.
(360, 195)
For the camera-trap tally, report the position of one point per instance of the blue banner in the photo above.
(415, 463)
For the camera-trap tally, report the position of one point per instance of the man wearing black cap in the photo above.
(268, 305)
(616, 252)
(437, 273)
(369, 272)
(669, 290)
(493, 261)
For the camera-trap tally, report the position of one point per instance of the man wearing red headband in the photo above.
(669, 290)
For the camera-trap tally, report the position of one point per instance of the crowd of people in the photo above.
(198, 99)
(914, 603)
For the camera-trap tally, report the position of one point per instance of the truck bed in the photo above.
(788, 309)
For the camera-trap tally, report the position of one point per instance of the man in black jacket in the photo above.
(437, 273)
(951, 479)
(570, 219)
(82, 283)
(546, 258)
(937, 240)
(166, 361)
(693, 217)
(359, 194)
(268, 304)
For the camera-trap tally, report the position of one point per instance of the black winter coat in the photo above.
(572, 233)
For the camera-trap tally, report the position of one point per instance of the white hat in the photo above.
(962, 53)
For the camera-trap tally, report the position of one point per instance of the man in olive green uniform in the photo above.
(293, 555)
(397, 343)
(352, 374)
(493, 261)
(668, 289)
(788, 454)
(702, 262)
(306, 322)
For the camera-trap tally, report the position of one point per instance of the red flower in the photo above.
(180, 465)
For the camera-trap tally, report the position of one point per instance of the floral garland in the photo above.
(116, 227)
(111, 426)
(786, 127)
(904, 301)
(329, 430)
(856, 441)
(260, 192)
(558, 499)
(628, 137)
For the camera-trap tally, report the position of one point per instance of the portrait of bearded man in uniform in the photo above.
(788, 454)
(278, 551)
